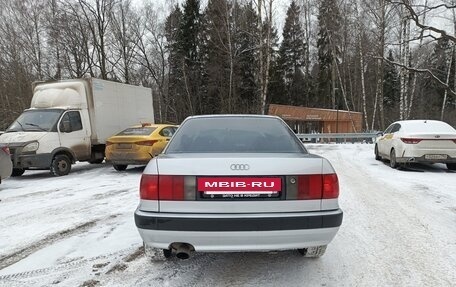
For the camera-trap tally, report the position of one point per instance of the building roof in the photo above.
(311, 114)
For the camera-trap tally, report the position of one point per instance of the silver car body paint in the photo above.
(220, 164)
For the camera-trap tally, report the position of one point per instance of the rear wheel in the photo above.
(120, 167)
(61, 165)
(17, 172)
(313, 252)
(451, 166)
(393, 162)
(377, 156)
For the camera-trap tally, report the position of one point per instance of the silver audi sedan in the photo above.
(237, 183)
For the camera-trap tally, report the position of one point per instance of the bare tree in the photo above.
(124, 21)
(98, 14)
(152, 54)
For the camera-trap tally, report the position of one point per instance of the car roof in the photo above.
(233, 116)
(427, 123)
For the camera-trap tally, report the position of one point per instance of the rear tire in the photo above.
(377, 156)
(17, 172)
(451, 166)
(61, 165)
(120, 167)
(393, 162)
(313, 252)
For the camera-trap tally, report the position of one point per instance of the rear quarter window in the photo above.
(234, 135)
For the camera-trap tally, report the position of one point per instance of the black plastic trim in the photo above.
(152, 222)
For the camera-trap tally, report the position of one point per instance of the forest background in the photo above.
(388, 59)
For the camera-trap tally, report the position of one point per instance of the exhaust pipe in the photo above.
(183, 250)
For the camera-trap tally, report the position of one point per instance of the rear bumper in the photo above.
(423, 159)
(127, 158)
(239, 232)
(129, 162)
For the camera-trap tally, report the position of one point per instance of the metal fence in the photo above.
(338, 137)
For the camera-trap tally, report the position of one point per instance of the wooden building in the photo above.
(310, 120)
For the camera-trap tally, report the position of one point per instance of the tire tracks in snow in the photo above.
(17, 256)
(64, 269)
(68, 267)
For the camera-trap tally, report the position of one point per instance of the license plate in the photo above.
(124, 146)
(435, 156)
(239, 187)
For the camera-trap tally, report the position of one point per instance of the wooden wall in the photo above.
(331, 121)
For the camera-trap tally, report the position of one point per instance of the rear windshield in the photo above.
(234, 135)
(143, 131)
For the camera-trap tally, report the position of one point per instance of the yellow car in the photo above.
(137, 144)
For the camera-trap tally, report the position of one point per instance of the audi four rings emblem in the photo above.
(239, 166)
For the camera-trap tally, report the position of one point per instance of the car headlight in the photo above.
(33, 146)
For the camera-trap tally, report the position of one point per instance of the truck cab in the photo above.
(54, 133)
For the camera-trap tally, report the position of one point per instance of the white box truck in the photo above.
(70, 120)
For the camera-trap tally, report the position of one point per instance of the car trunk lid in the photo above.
(246, 183)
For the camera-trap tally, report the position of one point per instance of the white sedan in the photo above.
(237, 183)
(422, 141)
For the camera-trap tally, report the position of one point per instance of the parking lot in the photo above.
(78, 230)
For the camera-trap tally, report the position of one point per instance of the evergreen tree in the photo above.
(440, 60)
(276, 90)
(292, 57)
(328, 43)
(247, 60)
(391, 84)
(189, 48)
(218, 56)
(175, 60)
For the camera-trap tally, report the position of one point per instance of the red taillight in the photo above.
(454, 140)
(315, 186)
(146, 143)
(330, 186)
(410, 140)
(6, 150)
(171, 187)
(108, 143)
(148, 188)
(163, 187)
(310, 186)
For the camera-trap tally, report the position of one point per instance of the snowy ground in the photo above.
(399, 229)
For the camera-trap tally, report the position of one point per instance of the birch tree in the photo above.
(265, 23)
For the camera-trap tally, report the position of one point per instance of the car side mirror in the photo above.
(379, 134)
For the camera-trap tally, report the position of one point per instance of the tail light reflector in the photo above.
(330, 186)
(148, 188)
(146, 143)
(315, 186)
(410, 140)
(164, 187)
